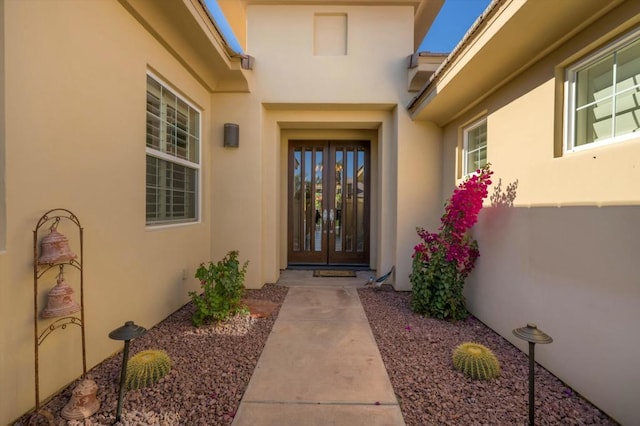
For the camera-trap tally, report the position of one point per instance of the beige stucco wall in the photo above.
(3, 215)
(419, 169)
(374, 69)
(564, 255)
(75, 84)
(236, 204)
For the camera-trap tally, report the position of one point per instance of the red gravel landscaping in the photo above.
(417, 354)
(212, 366)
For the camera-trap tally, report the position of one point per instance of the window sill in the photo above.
(167, 225)
(634, 136)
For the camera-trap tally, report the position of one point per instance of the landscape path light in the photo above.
(127, 332)
(531, 334)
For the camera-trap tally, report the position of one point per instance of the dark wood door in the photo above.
(328, 214)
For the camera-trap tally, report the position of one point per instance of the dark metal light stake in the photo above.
(127, 332)
(531, 334)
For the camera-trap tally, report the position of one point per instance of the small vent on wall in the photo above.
(330, 34)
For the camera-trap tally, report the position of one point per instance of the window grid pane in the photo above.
(173, 128)
(475, 147)
(606, 96)
(171, 191)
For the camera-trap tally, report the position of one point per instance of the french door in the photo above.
(328, 212)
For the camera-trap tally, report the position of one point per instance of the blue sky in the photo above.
(222, 23)
(455, 18)
(453, 21)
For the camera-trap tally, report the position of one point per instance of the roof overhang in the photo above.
(186, 29)
(509, 37)
(422, 66)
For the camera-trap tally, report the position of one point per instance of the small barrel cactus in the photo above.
(476, 361)
(146, 368)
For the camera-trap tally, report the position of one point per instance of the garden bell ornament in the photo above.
(55, 249)
(60, 301)
(83, 402)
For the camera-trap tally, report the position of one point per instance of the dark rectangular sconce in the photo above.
(231, 135)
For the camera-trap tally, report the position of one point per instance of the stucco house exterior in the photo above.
(116, 110)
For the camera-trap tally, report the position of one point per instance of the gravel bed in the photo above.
(417, 354)
(211, 369)
(212, 366)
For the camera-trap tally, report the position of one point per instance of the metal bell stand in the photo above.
(52, 218)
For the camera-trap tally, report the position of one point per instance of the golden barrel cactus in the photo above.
(146, 368)
(476, 361)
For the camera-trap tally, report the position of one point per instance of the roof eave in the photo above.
(187, 30)
(509, 37)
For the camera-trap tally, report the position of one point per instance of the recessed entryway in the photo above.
(328, 202)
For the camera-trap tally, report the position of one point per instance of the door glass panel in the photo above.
(318, 202)
(308, 200)
(297, 198)
(360, 201)
(337, 204)
(348, 212)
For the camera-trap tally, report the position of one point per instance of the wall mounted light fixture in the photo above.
(231, 135)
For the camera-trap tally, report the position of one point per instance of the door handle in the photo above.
(331, 217)
(324, 215)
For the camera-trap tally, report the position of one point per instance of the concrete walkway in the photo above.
(320, 365)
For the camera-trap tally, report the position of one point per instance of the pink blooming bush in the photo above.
(443, 259)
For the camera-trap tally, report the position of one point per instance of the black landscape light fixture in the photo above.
(127, 332)
(531, 334)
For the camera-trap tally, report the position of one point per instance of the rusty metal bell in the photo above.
(55, 249)
(60, 301)
(83, 402)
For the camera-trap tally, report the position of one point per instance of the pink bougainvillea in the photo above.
(461, 213)
(449, 254)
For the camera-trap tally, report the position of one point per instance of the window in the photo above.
(173, 156)
(474, 149)
(603, 96)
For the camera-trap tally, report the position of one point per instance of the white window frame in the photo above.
(570, 91)
(168, 157)
(465, 145)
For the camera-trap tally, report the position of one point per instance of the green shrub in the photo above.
(146, 368)
(476, 361)
(437, 285)
(223, 287)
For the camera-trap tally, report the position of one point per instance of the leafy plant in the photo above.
(223, 286)
(443, 260)
(476, 361)
(146, 368)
